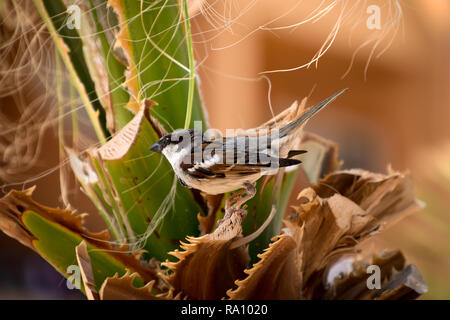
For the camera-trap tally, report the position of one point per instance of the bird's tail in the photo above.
(308, 114)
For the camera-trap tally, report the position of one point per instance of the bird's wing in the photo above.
(226, 158)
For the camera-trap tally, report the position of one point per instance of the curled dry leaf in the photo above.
(275, 276)
(10, 222)
(322, 156)
(118, 146)
(385, 198)
(123, 288)
(15, 203)
(208, 267)
(396, 280)
(407, 284)
(348, 207)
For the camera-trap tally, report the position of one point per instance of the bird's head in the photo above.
(178, 139)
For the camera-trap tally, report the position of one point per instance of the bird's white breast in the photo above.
(175, 157)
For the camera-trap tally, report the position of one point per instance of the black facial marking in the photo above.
(164, 141)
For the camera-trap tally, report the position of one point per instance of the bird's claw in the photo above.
(235, 204)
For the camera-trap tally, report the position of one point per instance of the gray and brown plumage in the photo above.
(225, 164)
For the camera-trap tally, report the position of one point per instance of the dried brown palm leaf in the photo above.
(322, 156)
(397, 281)
(120, 144)
(385, 198)
(325, 227)
(209, 265)
(406, 284)
(348, 207)
(16, 203)
(123, 288)
(275, 276)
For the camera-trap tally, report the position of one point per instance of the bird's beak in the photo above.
(156, 147)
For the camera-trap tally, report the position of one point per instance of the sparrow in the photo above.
(224, 164)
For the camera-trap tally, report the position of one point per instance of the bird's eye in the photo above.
(176, 139)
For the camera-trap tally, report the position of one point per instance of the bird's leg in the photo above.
(234, 203)
(249, 191)
(234, 198)
(238, 199)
